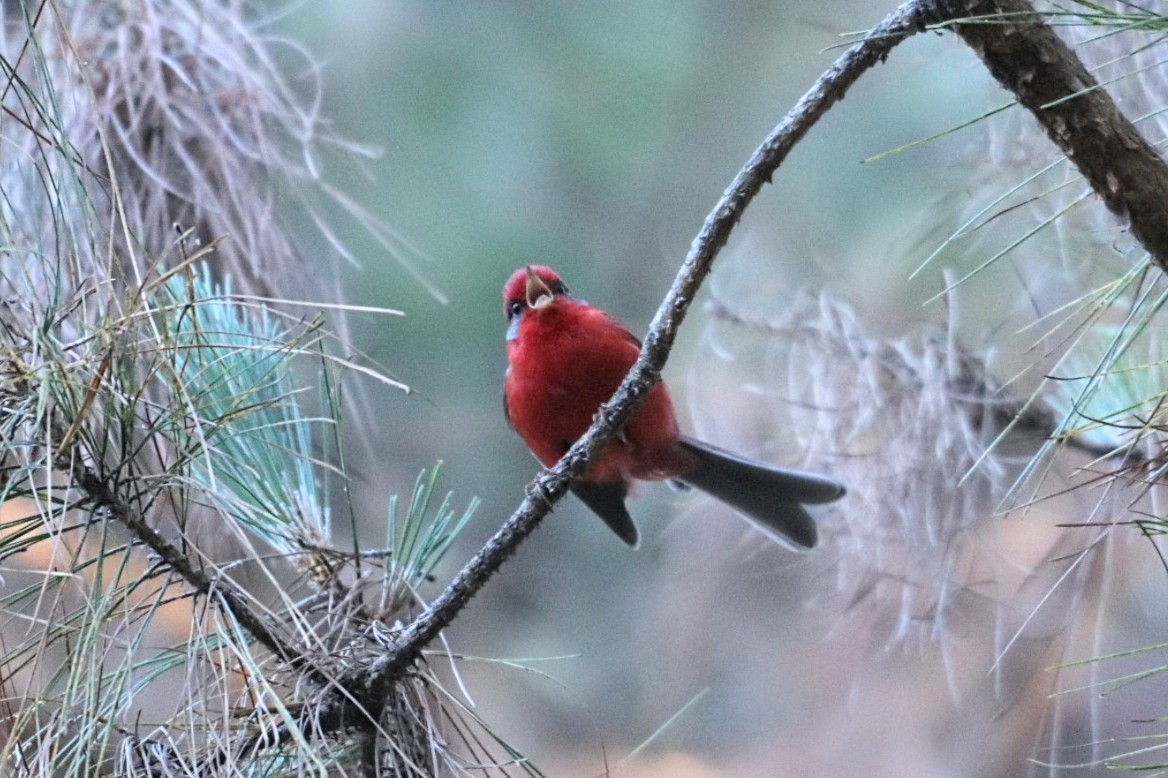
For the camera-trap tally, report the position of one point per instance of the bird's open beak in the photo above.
(538, 293)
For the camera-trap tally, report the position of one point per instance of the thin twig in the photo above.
(551, 485)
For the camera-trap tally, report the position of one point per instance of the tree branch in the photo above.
(1026, 57)
(373, 684)
(101, 495)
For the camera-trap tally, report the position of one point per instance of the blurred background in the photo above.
(595, 137)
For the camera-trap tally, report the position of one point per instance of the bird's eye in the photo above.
(514, 308)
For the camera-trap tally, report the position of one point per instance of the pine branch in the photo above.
(1026, 57)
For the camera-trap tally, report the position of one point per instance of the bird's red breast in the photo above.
(566, 359)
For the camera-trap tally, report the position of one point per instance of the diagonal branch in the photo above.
(102, 496)
(1026, 56)
(372, 685)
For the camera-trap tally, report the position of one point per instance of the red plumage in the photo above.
(566, 358)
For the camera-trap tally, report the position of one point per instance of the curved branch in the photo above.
(373, 684)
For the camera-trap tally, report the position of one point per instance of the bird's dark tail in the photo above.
(772, 496)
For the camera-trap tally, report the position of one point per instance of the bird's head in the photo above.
(531, 288)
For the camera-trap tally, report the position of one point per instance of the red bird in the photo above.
(567, 358)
